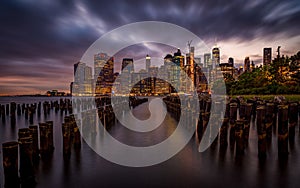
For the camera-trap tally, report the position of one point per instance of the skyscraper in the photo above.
(190, 64)
(247, 64)
(179, 59)
(99, 61)
(127, 64)
(79, 72)
(215, 57)
(82, 84)
(231, 62)
(103, 73)
(127, 70)
(148, 62)
(207, 59)
(267, 56)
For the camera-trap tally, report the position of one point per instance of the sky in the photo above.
(42, 39)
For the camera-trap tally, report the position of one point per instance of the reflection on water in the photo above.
(188, 168)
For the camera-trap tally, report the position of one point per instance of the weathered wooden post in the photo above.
(77, 136)
(261, 131)
(239, 131)
(26, 113)
(242, 110)
(283, 130)
(269, 119)
(214, 128)
(23, 108)
(31, 112)
(50, 135)
(200, 123)
(19, 110)
(232, 119)
(35, 142)
(13, 114)
(223, 133)
(205, 117)
(208, 105)
(45, 108)
(227, 111)
(26, 165)
(10, 164)
(39, 109)
(3, 113)
(66, 140)
(44, 145)
(7, 109)
(23, 133)
(248, 113)
(293, 120)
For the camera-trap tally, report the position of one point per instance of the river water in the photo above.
(188, 168)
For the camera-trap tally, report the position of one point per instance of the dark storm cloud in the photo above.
(33, 32)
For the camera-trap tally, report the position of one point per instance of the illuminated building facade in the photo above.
(206, 60)
(105, 78)
(215, 57)
(247, 67)
(267, 56)
(148, 63)
(82, 85)
(127, 70)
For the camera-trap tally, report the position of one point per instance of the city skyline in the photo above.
(39, 48)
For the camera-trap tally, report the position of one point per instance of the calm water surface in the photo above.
(188, 168)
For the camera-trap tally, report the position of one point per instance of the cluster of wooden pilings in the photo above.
(29, 151)
(71, 135)
(10, 109)
(29, 110)
(183, 111)
(193, 118)
(236, 120)
(107, 116)
(106, 108)
(269, 116)
(173, 106)
(34, 142)
(134, 101)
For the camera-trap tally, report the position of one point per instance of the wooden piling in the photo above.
(239, 131)
(293, 120)
(35, 143)
(50, 136)
(19, 110)
(232, 119)
(77, 136)
(44, 144)
(23, 133)
(261, 131)
(66, 139)
(3, 113)
(223, 133)
(7, 109)
(10, 164)
(283, 130)
(26, 113)
(248, 113)
(242, 110)
(26, 165)
(13, 114)
(269, 120)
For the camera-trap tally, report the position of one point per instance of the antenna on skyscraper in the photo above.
(189, 44)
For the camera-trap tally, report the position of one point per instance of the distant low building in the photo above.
(55, 93)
